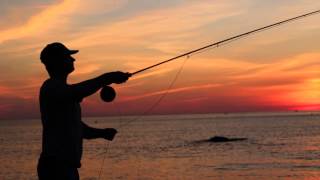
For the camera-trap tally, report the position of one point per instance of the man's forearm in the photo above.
(92, 133)
(89, 87)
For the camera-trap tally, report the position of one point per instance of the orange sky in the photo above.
(276, 70)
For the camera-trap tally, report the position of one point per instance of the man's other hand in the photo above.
(110, 133)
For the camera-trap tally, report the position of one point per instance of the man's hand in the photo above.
(117, 77)
(109, 133)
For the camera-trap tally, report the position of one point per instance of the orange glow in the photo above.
(308, 92)
(176, 90)
(307, 108)
(37, 23)
(274, 70)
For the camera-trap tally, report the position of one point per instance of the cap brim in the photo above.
(73, 51)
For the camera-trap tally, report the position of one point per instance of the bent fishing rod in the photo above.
(217, 44)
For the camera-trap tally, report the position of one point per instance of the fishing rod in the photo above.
(104, 94)
(216, 44)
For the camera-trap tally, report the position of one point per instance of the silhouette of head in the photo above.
(57, 59)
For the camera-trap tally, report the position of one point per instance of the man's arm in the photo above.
(93, 133)
(89, 87)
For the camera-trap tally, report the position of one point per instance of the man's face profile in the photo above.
(68, 63)
(57, 58)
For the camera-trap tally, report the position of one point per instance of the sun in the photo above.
(307, 95)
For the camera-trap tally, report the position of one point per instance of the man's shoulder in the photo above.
(51, 83)
(56, 90)
(51, 86)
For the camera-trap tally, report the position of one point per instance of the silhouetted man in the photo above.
(63, 129)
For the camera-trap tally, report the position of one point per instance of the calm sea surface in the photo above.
(279, 146)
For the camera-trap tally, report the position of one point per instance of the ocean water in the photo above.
(279, 146)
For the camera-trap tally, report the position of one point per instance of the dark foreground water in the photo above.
(279, 146)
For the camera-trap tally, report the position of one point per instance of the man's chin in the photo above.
(70, 71)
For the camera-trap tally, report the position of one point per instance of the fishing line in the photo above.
(107, 146)
(160, 98)
(103, 158)
(208, 47)
(150, 109)
(197, 51)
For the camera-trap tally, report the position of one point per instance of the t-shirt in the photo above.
(61, 121)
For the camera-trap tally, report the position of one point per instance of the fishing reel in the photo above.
(107, 94)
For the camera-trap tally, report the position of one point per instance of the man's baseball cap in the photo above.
(55, 50)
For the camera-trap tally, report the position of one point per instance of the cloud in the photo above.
(175, 90)
(56, 17)
(38, 23)
(158, 26)
(274, 81)
(152, 73)
(18, 108)
(16, 13)
(86, 68)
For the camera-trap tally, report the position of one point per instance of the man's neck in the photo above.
(62, 78)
